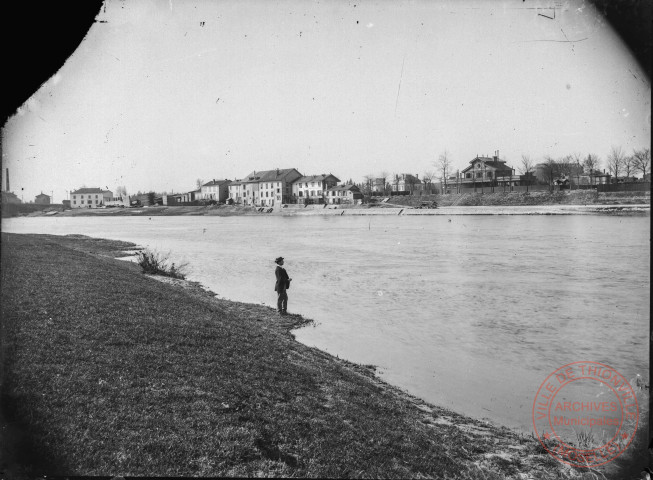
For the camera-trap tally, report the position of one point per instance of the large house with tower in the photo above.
(485, 171)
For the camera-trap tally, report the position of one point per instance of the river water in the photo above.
(468, 312)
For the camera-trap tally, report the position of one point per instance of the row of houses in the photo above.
(269, 188)
(266, 188)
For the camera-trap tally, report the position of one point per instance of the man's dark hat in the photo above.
(278, 259)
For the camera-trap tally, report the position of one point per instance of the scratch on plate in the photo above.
(399, 87)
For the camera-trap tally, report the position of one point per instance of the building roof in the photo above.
(343, 188)
(270, 175)
(490, 162)
(42, 195)
(318, 178)
(91, 190)
(216, 182)
(10, 195)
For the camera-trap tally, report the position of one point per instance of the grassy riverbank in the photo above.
(106, 371)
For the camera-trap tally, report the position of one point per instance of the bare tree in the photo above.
(566, 167)
(411, 180)
(629, 166)
(443, 166)
(121, 191)
(642, 160)
(428, 177)
(615, 161)
(385, 176)
(591, 163)
(368, 180)
(198, 183)
(526, 168)
(577, 159)
(550, 170)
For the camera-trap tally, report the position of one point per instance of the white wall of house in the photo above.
(270, 193)
(251, 194)
(338, 197)
(218, 192)
(313, 190)
(90, 200)
(237, 192)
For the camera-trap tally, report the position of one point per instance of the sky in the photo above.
(161, 93)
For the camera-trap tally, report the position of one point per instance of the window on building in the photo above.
(82, 201)
(479, 174)
(489, 174)
(319, 192)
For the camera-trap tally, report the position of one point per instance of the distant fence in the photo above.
(625, 187)
(495, 189)
(394, 194)
(608, 187)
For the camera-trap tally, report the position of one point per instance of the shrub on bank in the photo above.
(156, 263)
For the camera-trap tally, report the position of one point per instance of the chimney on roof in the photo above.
(277, 172)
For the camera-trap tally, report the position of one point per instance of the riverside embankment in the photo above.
(108, 372)
(498, 203)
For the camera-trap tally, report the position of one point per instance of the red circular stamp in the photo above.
(585, 414)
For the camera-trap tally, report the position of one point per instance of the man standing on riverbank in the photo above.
(281, 286)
